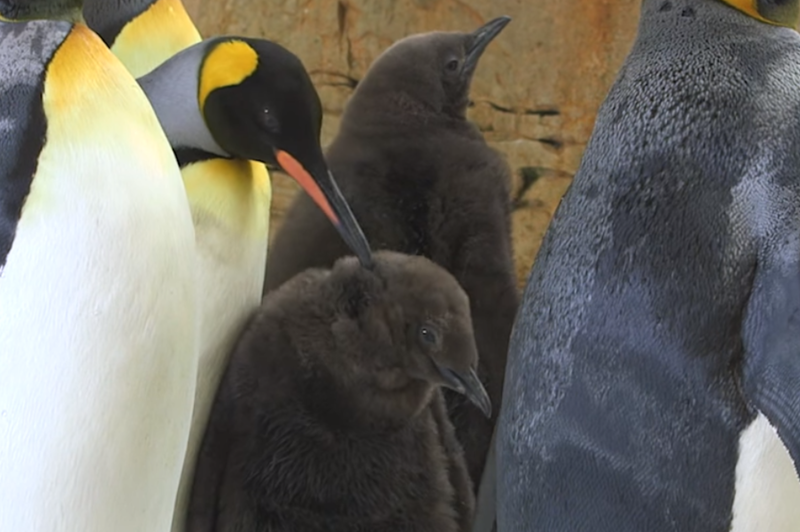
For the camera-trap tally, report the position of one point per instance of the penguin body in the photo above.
(330, 416)
(142, 33)
(657, 343)
(422, 180)
(227, 104)
(229, 198)
(97, 291)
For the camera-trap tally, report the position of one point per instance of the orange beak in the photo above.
(322, 188)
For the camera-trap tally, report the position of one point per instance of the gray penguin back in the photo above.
(637, 295)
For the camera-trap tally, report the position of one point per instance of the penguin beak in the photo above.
(480, 39)
(321, 186)
(470, 385)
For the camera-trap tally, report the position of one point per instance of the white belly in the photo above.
(97, 322)
(767, 497)
(231, 216)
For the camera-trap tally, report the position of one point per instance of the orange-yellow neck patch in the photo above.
(783, 15)
(161, 31)
(229, 63)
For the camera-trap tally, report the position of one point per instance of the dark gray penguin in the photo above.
(329, 416)
(421, 180)
(658, 342)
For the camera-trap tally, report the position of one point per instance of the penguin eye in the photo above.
(270, 122)
(451, 65)
(428, 335)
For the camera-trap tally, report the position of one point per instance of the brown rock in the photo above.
(536, 91)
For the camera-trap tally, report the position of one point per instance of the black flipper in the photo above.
(771, 336)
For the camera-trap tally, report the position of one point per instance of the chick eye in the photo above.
(428, 336)
(270, 122)
(452, 65)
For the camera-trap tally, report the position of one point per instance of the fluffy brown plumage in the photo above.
(421, 179)
(330, 417)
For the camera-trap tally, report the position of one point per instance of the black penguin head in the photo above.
(433, 69)
(259, 103)
(406, 329)
(778, 12)
(19, 10)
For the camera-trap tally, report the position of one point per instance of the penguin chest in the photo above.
(97, 308)
(767, 496)
(230, 201)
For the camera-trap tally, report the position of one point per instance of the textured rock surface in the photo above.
(535, 94)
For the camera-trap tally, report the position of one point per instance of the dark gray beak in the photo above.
(320, 185)
(470, 385)
(347, 226)
(480, 39)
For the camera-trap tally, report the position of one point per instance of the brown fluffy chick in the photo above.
(330, 416)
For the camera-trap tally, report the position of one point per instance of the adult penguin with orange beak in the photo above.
(230, 106)
(653, 378)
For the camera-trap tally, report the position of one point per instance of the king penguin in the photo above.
(97, 291)
(653, 378)
(142, 33)
(229, 105)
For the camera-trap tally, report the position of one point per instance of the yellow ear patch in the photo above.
(784, 15)
(229, 63)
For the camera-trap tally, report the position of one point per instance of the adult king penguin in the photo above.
(97, 291)
(229, 105)
(653, 378)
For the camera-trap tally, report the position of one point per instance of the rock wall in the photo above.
(535, 93)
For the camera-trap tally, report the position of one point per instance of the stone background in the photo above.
(535, 93)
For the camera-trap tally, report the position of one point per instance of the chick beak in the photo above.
(470, 385)
(481, 38)
(321, 186)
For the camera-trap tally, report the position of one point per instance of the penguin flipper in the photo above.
(771, 336)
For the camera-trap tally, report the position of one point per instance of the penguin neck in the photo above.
(366, 409)
(172, 90)
(371, 109)
(141, 33)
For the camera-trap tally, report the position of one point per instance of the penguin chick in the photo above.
(421, 180)
(22, 10)
(324, 419)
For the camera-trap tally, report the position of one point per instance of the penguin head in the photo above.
(258, 103)
(777, 12)
(403, 330)
(433, 69)
(21, 10)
